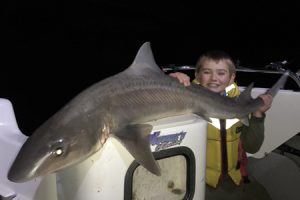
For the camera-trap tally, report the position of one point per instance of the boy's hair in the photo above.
(215, 55)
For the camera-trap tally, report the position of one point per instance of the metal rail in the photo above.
(295, 76)
(292, 75)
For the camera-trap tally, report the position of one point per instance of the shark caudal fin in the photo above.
(278, 85)
(245, 96)
(136, 140)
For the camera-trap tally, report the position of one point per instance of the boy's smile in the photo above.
(215, 76)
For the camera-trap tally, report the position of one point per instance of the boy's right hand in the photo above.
(183, 78)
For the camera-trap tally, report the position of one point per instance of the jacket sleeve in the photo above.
(252, 136)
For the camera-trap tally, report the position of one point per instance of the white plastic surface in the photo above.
(282, 120)
(11, 140)
(102, 175)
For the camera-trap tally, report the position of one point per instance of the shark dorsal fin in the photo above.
(245, 96)
(144, 62)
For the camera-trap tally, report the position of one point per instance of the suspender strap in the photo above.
(223, 146)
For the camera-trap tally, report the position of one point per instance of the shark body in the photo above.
(121, 106)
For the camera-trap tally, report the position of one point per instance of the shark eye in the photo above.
(58, 151)
(58, 148)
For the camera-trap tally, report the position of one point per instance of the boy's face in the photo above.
(215, 76)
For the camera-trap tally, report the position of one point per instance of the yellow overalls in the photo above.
(213, 149)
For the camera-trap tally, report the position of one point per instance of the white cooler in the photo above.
(178, 144)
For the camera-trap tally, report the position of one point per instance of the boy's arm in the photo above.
(252, 136)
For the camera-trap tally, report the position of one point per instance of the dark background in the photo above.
(52, 50)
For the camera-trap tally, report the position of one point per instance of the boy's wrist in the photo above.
(258, 114)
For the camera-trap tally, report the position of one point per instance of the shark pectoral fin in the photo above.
(245, 121)
(136, 140)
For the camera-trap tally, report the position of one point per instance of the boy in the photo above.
(226, 175)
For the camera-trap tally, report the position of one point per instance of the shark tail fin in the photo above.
(245, 96)
(136, 140)
(278, 85)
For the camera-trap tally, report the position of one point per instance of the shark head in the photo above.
(81, 127)
(52, 147)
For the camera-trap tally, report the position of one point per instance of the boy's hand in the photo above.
(183, 78)
(268, 99)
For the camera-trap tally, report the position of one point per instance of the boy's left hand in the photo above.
(268, 99)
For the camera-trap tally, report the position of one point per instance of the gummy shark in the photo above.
(120, 106)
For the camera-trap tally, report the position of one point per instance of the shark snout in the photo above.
(24, 168)
(18, 175)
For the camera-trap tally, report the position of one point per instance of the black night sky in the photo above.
(52, 50)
